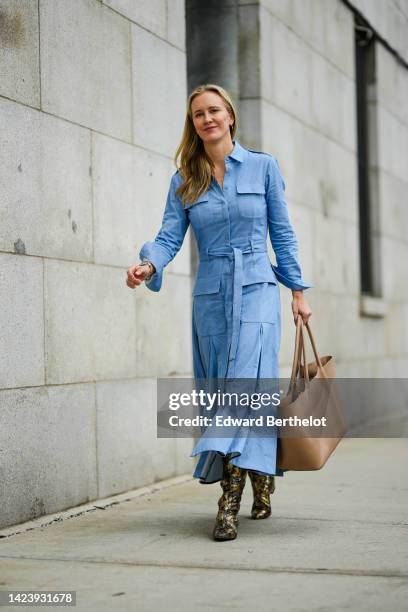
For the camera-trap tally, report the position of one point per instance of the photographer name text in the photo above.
(259, 421)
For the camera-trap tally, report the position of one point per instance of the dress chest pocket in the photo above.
(251, 199)
(201, 211)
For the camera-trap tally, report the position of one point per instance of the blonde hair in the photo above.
(195, 166)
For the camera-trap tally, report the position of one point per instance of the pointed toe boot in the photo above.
(263, 486)
(232, 483)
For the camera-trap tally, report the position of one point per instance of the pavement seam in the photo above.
(270, 570)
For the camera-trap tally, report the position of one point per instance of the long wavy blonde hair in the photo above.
(195, 166)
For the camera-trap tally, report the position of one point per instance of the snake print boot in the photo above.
(232, 483)
(263, 486)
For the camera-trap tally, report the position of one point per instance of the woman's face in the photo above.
(210, 117)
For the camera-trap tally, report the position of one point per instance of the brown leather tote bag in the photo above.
(312, 394)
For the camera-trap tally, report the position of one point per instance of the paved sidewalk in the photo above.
(337, 540)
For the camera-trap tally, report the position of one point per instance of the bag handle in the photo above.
(300, 349)
(313, 343)
(296, 355)
(303, 358)
(303, 344)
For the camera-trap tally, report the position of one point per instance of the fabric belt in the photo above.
(255, 246)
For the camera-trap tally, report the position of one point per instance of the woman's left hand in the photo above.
(300, 307)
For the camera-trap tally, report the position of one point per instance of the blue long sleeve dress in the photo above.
(236, 320)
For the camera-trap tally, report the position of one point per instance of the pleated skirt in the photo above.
(257, 358)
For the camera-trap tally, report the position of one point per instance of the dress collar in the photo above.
(238, 152)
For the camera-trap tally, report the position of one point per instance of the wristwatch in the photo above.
(153, 270)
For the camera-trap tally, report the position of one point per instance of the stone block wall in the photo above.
(92, 103)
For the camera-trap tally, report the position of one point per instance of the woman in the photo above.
(231, 196)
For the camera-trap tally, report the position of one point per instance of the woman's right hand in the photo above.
(137, 274)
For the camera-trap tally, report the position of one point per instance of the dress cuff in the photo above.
(295, 285)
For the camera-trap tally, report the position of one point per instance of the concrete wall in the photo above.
(92, 101)
(300, 105)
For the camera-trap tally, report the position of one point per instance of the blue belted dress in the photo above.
(236, 321)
